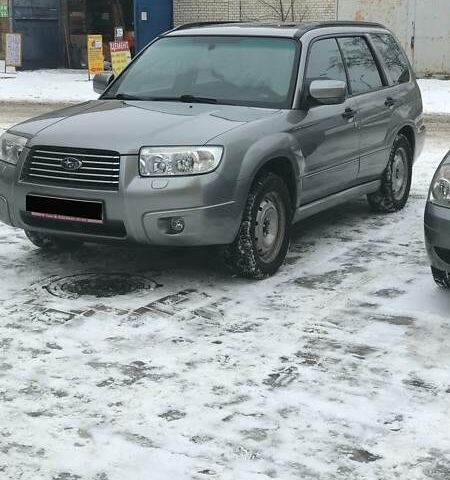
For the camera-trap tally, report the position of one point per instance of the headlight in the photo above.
(11, 146)
(440, 187)
(176, 161)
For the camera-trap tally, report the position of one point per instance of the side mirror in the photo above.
(101, 81)
(328, 92)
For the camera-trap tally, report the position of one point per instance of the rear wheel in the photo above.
(263, 239)
(51, 242)
(396, 181)
(441, 277)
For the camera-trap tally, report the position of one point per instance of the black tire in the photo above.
(52, 243)
(261, 245)
(393, 195)
(441, 278)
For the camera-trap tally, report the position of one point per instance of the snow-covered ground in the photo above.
(47, 86)
(334, 369)
(435, 95)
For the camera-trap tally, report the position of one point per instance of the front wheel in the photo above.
(263, 239)
(52, 243)
(396, 181)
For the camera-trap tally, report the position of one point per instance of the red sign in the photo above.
(120, 56)
(119, 46)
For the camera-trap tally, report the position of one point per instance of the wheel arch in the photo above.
(279, 153)
(281, 166)
(408, 132)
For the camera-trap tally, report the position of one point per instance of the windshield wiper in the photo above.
(123, 96)
(194, 99)
(184, 98)
(181, 98)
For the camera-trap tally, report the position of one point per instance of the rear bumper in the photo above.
(138, 212)
(437, 236)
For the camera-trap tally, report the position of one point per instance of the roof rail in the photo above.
(302, 27)
(347, 23)
(321, 24)
(202, 24)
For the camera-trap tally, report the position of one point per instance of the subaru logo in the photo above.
(71, 164)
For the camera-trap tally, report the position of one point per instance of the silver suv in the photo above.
(221, 134)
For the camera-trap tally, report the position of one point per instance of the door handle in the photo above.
(390, 102)
(349, 113)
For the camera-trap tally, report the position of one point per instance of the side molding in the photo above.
(318, 206)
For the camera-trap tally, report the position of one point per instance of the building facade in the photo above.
(423, 28)
(54, 31)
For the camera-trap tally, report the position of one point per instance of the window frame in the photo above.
(365, 35)
(381, 72)
(382, 61)
(308, 57)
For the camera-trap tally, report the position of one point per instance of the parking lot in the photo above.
(142, 363)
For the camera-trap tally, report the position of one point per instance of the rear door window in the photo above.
(393, 58)
(362, 68)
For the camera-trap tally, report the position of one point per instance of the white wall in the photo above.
(423, 28)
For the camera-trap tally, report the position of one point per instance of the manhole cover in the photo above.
(99, 285)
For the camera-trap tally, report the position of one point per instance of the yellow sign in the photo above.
(120, 56)
(13, 54)
(95, 54)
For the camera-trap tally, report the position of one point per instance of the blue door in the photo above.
(38, 21)
(152, 17)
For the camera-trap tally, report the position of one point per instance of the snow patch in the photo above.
(435, 95)
(47, 86)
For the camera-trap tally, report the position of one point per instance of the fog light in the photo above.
(177, 224)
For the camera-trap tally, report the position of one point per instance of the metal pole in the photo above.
(10, 25)
(10, 9)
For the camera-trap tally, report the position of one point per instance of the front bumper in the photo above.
(210, 205)
(437, 235)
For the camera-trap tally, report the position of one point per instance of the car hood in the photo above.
(125, 126)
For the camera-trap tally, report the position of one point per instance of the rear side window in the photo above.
(362, 68)
(325, 62)
(393, 58)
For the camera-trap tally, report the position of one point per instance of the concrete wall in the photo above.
(422, 27)
(186, 11)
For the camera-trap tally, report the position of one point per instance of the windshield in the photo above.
(253, 71)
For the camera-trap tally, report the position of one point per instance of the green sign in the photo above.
(3, 10)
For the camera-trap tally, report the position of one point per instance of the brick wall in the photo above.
(186, 11)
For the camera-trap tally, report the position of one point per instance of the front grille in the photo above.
(99, 169)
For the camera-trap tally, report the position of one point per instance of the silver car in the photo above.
(221, 134)
(437, 224)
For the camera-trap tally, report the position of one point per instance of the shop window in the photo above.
(83, 17)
